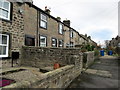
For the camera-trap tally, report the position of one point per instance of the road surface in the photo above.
(104, 73)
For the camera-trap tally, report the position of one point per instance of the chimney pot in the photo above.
(47, 10)
(45, 7)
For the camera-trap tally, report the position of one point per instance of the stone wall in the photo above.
(71, 59)
(44, 57)
(51, 32)
(59, 78)
(15, 29)
(66, 36)
(88, 59)
(30, 22)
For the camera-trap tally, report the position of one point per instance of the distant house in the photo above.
(114, 42)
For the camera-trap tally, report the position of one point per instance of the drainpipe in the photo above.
(37, 29)
(70, 38)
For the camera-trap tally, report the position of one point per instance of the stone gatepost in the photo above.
(78, 62)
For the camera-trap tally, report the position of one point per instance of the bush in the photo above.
(88, 47)
(117, 50)
(96, 53)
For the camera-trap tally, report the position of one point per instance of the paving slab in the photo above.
(99, 72)
(91, 71)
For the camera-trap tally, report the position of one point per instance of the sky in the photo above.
(96, 18)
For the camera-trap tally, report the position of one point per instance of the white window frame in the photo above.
(6, 45)
(80, 39)
(54, 44)
(2, 8)
(71, 44)
(71, 34)
(60, 28)
(43, 20)
(61, 44)
(41, 43)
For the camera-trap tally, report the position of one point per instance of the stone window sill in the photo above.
(9, 21)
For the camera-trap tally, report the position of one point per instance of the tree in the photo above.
(107, 43)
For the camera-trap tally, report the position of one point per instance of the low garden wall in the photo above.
(58, 78)
(88, 59)
(70, 61)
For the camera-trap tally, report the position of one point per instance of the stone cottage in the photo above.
(24, 24)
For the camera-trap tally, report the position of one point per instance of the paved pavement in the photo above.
(102, 74)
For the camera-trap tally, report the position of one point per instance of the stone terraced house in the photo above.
(24, 24)
(114, 42)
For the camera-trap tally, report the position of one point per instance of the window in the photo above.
(60, 28)
(71, 44)
(71, 34)
(54, 42)
(80, 39)
(43, 21)
(5, 9)
(43, 41)
(4, 43)
(60, 43)
(29, 40)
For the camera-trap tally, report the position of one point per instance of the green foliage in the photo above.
(87, 47)
(96, 53)
(117, 49)
(90, 47)
(83, 49)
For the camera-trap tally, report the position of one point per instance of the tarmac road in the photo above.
(88, 80)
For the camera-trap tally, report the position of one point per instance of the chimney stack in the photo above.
(67, 22)
(112, 38)
(85, 35)
(47, 10)
(58, 18)
(31, 1)
(89, 37)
